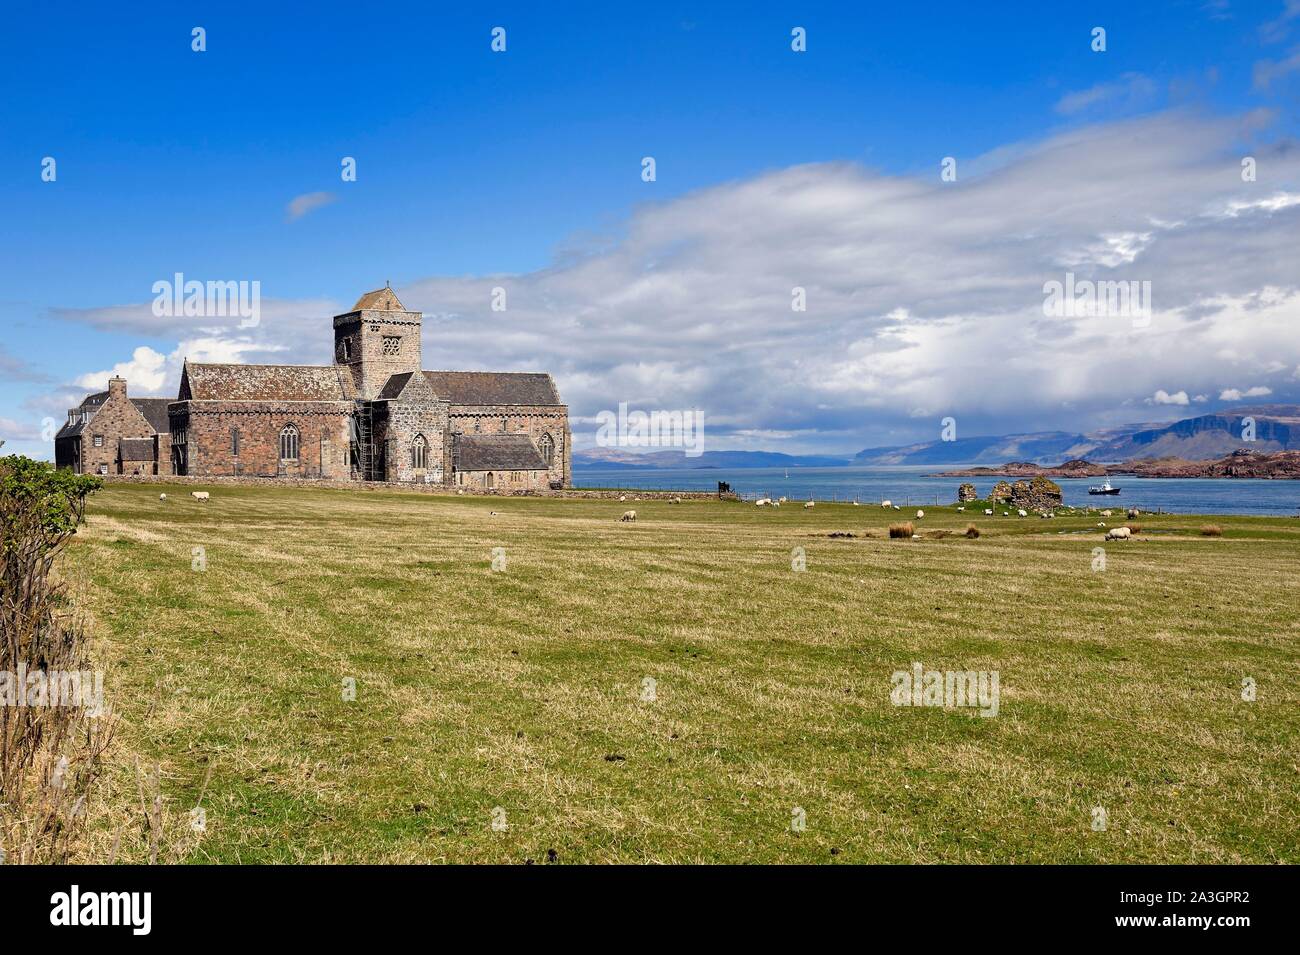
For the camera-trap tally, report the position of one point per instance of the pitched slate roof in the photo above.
(393, 387)
(494, 387)
(498, 452)
(383, 300)
(135, 449)
(155, 412)
(224, 382)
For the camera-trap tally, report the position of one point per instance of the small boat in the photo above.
(1104, 489)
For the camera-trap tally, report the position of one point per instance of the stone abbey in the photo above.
(373, 415)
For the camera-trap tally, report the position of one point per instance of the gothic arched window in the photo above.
(289, 443)
(546, 444)
(418, 452)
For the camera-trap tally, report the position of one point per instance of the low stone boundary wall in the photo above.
(573, 492)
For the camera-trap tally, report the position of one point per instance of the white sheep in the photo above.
(920, 514)
(162, 497)
(762, 502)
(781, 500)
(674, 500)
(961, 508)
(886, 503)
(808, 504)
(1118, 534)
(199, 495)
(628, 516)
(988, 512)
(1101, 523)
(897, 508)
(622, 498)
(856, 504)
(1105, 513)
(1022, 512)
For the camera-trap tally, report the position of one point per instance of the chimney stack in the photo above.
(117, 387)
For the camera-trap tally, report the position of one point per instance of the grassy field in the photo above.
(522, 691)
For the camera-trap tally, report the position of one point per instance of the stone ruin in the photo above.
(966, 493)
(1037, 494)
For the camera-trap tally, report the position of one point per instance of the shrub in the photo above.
(1211, 530)
(903, 530)
(50, 755)
(972, 531)
(1134, 528)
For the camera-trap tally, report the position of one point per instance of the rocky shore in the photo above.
(1242, 463)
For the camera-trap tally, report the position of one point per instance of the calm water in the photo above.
(904, 485)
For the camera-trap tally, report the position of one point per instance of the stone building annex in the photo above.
(373, 415)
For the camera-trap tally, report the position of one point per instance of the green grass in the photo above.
(522, 689)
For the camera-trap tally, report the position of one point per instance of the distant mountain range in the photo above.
(1277, 428)
(606, 458)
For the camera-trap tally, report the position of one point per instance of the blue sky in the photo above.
(474, 164)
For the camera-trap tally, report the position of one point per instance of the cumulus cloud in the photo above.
(924, 298)
(145, 372)
(299, 206)
(1232, 394)
(1162, 397)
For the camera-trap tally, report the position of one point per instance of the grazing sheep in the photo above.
(920, 514)
(1022, 512)
(162, 497)
(886, 503)
(1118, 534)
(199, 495)
(808, 504)
(628, 516)
(1105, 513)
(1101, 523)
(674, 500)
(492, 513)
(762, 502)
(622, 498)
(961, 508)
(776, 503)
(897, 508)
(781, 500)
(988, 512)
(1133, 512)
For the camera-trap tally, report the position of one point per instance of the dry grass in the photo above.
(521, 688)
(903, 531)
(1211, 530)
(972, 532)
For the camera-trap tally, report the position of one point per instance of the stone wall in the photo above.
(606, 494)
(210, 428)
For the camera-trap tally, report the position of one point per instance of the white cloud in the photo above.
(299, 206)
(145, 373)
(1162, 397)
(1131, 89)
(1232, 394)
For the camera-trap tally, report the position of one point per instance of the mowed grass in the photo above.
(523, 689)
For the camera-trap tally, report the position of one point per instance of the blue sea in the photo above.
(910, 486)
